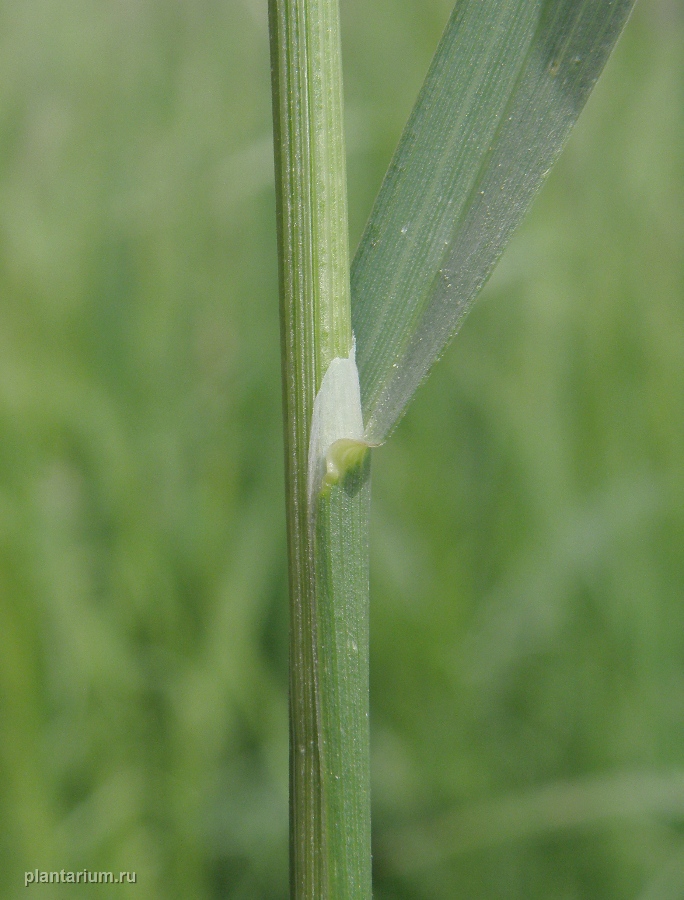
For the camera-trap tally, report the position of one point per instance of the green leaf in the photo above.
(505, 87)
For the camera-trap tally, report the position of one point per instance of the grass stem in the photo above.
(327, 540)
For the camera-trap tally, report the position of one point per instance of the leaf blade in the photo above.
(505, 87)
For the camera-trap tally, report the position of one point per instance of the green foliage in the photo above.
(504, 89)
(527, 570)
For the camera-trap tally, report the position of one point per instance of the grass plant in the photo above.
(505, 87)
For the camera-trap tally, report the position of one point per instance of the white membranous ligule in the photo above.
(337, 441)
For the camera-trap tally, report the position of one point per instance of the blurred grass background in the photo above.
(528, 526)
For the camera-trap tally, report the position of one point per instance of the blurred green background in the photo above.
(527, 650)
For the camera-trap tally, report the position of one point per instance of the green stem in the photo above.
(328, 546)
(342, 598)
